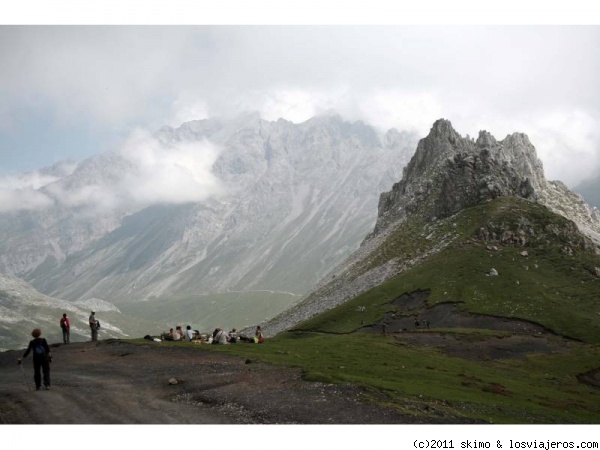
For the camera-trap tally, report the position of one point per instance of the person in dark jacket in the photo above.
(94, 326)
(41, 358)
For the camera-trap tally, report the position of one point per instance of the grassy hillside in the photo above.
(454, 373)
(555, 285)
(433, 387)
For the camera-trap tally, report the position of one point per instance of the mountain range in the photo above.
(293, 201)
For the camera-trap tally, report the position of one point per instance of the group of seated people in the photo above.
(218, 336)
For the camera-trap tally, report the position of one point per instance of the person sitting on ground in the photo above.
(221, 337)
(247, 339)
(197, 337)
(179, 336)
(233, 337)
(189, 334)
(258, 336)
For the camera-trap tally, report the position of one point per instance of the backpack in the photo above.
(38, 349)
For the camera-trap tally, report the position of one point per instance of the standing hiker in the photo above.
(94, 326)
(41, 358)
(65, 325)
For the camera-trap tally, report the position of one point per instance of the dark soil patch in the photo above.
(484, 347)
(415, 323)
(447, 315)
(591, 378)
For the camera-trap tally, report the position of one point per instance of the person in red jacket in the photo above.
(65, 325)
(41, 358)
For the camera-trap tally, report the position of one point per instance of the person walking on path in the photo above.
(94, 326)
(41, 358)
(65, 325)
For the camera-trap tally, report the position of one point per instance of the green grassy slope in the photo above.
(554, 286)
(433, 387)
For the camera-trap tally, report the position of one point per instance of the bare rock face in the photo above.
(449, 173)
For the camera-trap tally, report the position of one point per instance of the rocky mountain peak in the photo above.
(443, 128)
(485, 140)
(448, 173)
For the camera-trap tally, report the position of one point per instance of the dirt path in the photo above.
(118, 383)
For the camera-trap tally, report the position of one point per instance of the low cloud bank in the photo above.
(142, 172)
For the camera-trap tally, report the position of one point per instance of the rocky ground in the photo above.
(113, 382)
(120, 383)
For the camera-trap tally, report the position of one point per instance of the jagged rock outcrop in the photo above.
(447, 174)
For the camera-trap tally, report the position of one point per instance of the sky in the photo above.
(69, 92)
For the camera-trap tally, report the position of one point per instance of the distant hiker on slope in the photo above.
(94, 325)
(65, 325)
(41, 358)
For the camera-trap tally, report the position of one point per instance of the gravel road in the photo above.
(112, 382)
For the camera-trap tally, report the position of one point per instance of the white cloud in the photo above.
(569, 144)
(187, 109)
(30, 180)
(23, 200)
(19, 192)
(150, 172)
(413, 111)
(567, 141)
(176, 173)
(111, 79)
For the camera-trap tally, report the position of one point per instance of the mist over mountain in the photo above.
(210, 207)
(590, 191)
